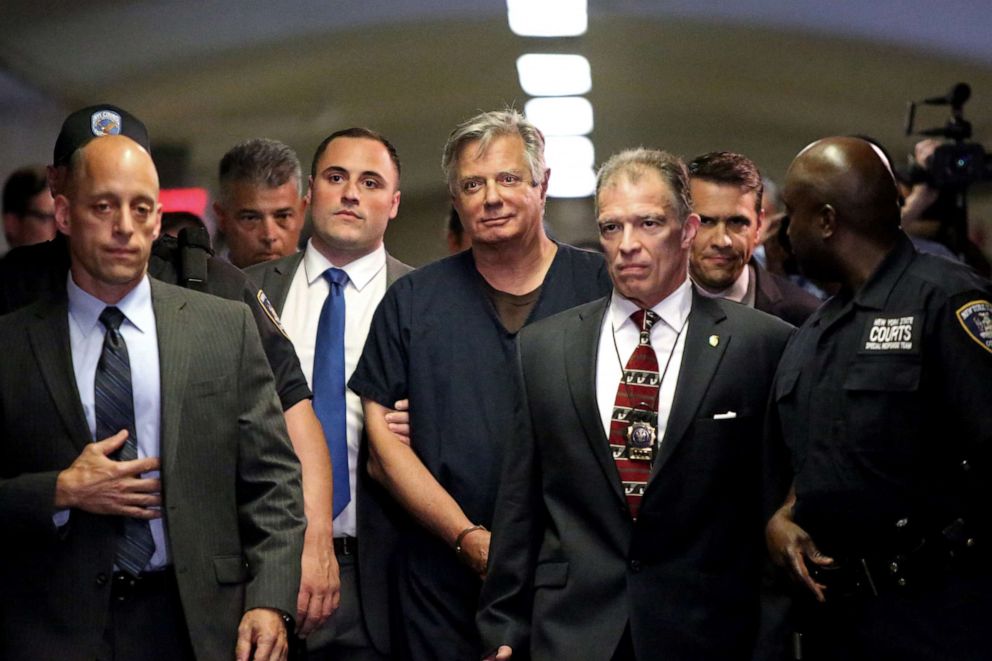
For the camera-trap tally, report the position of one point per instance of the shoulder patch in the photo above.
(976, 319)
(892, 334)
(270, 311)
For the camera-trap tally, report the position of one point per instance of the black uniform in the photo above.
(32, 272)
(884, 403)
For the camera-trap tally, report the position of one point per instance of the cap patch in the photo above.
(892, 334)
(270, 311)
(105, 122)
(976, 319)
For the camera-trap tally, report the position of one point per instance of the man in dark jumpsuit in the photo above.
(32, 272)
(882, 419)
(443, 336)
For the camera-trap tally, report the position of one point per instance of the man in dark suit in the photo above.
(150, 485)
(39, 271)
(628, 523)
(354, 193)
(727, 194)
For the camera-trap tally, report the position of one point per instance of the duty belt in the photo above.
(928, 558)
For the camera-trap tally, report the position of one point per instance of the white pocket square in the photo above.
(729, 415)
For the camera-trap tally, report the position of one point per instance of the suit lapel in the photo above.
(766, 291)
(49, 337)
(395, 269)
(277, 279)
(700, 360)
(581, 348)
(169, 304)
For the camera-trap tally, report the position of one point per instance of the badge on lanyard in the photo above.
(641, 434)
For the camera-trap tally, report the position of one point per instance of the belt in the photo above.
(125, 585)
(346, 545)
(869, 576)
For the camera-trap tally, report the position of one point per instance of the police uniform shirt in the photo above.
(881, 397)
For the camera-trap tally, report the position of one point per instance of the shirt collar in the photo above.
(737, 291)
(360, 271)
(875, 292)
(85, 309)
(673, 310)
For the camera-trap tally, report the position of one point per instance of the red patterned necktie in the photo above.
(637, 399)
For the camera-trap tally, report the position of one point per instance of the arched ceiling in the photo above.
(763, 78)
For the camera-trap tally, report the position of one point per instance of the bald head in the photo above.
(853, 177)
(110, 212)
(115, 151)
(843, 208)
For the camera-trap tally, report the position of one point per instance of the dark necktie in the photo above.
(329, 385)
(114, 404)
(637, 400)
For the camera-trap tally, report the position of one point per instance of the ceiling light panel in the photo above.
(554, 75)
(572, 182)
(565, 115)
(547, 18)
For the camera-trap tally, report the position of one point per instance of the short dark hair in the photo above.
(729, 168)
(356, 132)
(260, 161)
(21, 186)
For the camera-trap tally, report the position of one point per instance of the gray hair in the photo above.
(634, 163)
(488, 126)
(261, 161)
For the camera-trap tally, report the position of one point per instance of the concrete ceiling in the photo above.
(763, 78)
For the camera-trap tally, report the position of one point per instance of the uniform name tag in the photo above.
(892, 334)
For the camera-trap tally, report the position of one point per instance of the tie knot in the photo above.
(645, 319)
(111, 318)
(336, 276)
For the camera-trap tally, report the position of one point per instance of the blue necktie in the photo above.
(329, 385)
(114, 403)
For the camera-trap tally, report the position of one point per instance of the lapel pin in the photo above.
(714, 340)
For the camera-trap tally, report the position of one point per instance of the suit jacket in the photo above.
(378, 517)
(782, 298)
(232, 499)
(568, 568)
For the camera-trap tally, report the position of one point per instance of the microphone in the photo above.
(956, 98)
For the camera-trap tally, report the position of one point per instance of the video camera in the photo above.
(955, 164)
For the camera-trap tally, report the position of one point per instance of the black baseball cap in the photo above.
(93, 122)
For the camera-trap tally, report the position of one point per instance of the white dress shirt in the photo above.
(666, 340)
(301, 314)
(86, 335)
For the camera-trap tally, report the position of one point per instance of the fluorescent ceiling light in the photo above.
(554, 75)
(568, 151)
(572, 182)
(565, 115)
(547, 18)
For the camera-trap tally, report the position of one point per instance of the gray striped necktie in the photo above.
(115, 411)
